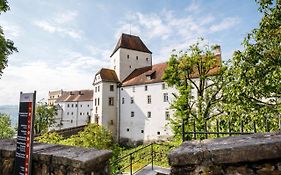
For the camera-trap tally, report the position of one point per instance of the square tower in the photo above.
(129, 54)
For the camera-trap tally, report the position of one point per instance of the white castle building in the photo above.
(131, 99)
(74, 108)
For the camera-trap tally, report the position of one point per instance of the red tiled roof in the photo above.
(75, 96)
(139, 76)
(108, 75)
(130, 42)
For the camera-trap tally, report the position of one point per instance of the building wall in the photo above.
(53, 96)
(105, 112)
(140, 127)
(74, 114)
(124, 65)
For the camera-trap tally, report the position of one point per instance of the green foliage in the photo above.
(44, 118)
(6, 46)
(50, 137)
(6, 131)
(93, 136)
(183, 67)
(254, 75)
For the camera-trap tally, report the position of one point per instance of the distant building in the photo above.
(131, 99)
(74, 108)
(53, 96)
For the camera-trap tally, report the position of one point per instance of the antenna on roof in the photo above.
(130, 29)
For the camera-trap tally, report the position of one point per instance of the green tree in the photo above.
(195, 73)
(44, 118)
(6, 46)
(253, 78)
(6, 131)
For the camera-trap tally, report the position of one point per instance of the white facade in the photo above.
(125, 61)
(73, 109)
(145, 112)
(105, 105)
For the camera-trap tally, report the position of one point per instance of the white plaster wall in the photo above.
(140, 121)
(97, 108)
(76, 115)
(122, 64)
(107, 114)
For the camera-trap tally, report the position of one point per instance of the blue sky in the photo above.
(63, 43)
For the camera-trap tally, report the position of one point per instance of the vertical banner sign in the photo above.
(25, 134)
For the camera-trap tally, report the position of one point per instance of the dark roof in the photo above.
(139, 76)
(75, 96)
(108, 75)
(130, 42)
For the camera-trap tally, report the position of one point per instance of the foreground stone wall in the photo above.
(257, 154)
(50, 159)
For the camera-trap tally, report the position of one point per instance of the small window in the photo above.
(95, 89)
(128, 56)
(148, 114)
(72, 105)
(158, 133)
(68, 105)
(81, 106)
(111, 122)
(114, 67)
(148, 77)
(149, 99)
(95, 102)
(166, 98)
(98, 88)
(167, 115)
(130, 66)
(67, 113)
(132, 100)
(88, 105)
(71, 121)
(137, 58)
(80, 113)
(71, 113)
(110, 101)
(111, 87)
(132, 113)
(147, 59)
(96, 109)
(134, 89)
(121, 89)
(163, 86)
(76, 105)
(87, 113)
(145, 87)
(128, 129)
(142, 131)
(123, 100)
(98, 101)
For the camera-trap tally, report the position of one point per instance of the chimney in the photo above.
(71, 93)
(80, 93)
(217, 50)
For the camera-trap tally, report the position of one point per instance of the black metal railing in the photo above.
(214, 128)
(154, 154)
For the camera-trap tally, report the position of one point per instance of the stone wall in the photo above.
(50, 159)
(257, 154)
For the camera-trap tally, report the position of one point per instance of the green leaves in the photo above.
(6, 131)
(196, 75)
(44, 118)
(6, 46)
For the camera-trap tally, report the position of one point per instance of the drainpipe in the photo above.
(119, 109)
(77, 114)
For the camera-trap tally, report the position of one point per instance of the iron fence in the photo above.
(214, 128)
(135, 161)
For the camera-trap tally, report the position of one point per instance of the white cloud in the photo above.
(62, 23)
(193, 7)
(11, 30)
(226, 23)
(69, 74)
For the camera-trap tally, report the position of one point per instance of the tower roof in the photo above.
(132, 42)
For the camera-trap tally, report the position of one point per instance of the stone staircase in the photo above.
(156, 171)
